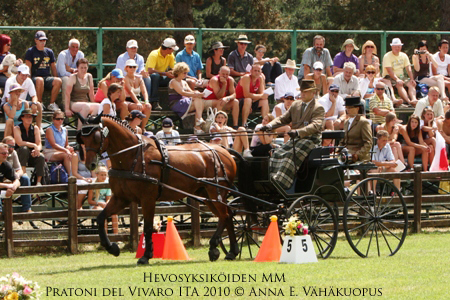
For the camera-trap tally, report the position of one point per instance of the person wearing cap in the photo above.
(7, 172)
(28, 140)
(131, 53)
(29, 91)
(223, 94)
(135, 119)
(42, 63)
(316, 53)
(270, 66)
(287, 82)
(347, 82)
(345, 56)
(395, 63)
(13, 108)
(368, 57)
(108, 105)
(280, 109)
(306, 117)
(333, 104)
(115, 76)
(159, 64)
(216, 60)
(319, 78)
(250, 93)
(168, 135)
(66, 64)
(193, 60)
(80, 92)
(358, 132)
(240, 60)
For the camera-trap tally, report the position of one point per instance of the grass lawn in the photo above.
(420, 270)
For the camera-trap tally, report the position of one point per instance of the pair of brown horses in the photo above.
(137, 168)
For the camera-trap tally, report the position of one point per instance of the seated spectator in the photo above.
(81, 172)
(369, 57)
(237, 141)
(131, 53)
(432, 100)
(334, 108)
(134, 88)
(423, 61)
(216, 60)
(358, 134)
(428, 127)
(223, 94)
(135, 119)
(193, 60)
(250, 93)
(66, 64)
(115, 76)
(28, 140)
(412, 141)
(80, 92)
(395, 63)
(380, 105)
(5, 46)
(287, 82)
(444, 129)
(261, 143)
(168, 135)
(443, 61)
(57, 147)
(391, 127)
(98, 198)
(159, 64)
(316, 53)
(239, 59)
(367, 83)
(41, 61)
(319, 78)
(7, 172)
(383, 157)
(347, 82)
(346, 56)
(108, 105)
(28, 91)
(20, 173)
(13, 108)
(271, 67)
(182, 99)
(284, 105)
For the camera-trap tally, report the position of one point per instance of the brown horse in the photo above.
(139, 164)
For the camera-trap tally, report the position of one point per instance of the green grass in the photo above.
(420, 270)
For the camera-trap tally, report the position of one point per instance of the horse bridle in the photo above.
(88, 129)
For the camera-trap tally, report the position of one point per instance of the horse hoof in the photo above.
(142, 261)
(114, 249)
(230, 256)
(213, 254)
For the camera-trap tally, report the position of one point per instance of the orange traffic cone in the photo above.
(173, 247)
(271, 246)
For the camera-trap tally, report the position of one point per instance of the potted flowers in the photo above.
(295, 227)
(297, 245)
(18, 288)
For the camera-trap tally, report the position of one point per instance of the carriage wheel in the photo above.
(377, 220)
(249, 228)
(321, 221)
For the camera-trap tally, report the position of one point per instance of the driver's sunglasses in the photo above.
(289, 98)
(380, 89)
(58, 119)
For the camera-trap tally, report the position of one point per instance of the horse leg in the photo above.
(149, 213)
(213, 252)
(234, 247)
(114, 206)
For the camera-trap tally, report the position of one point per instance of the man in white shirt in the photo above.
(432, 99)
(383, 157)
(287, 82)
(66, 64)
(347, 82)
(334, 108)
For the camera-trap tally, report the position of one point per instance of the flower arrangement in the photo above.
(15, 287)
(295, 227)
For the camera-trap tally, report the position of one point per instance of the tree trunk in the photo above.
(445, 18)
(182, 17)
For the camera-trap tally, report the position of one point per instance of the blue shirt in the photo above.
(122, 59)
(65, 58)
(193, 60)
(60, 137)
(385, 154)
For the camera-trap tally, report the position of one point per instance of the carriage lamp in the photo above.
(344, 157)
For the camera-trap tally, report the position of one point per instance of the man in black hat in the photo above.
(358, 133)
(306, 117)
(168, 135)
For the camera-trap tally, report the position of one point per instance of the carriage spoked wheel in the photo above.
(375, 222)
(250, 228)
(321, 220)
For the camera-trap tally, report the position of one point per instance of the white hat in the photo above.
(189, 39)
(290, 64)
(15, 86)
(132, 44)
(396, 42)
(170, 43)
(130, 63)
(23, 68)
(318, 65)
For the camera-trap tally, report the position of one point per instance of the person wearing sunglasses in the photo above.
(380, 105)
(216, 60)
(271, 67)
(7, 172)
(334, 110)
(115, 76)
(5, 46)
(319, 78)
(368, 82)
(240, 59)
(368, 57)
(346, 56)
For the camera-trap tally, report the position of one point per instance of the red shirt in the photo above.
(213, 96)
(253, 88)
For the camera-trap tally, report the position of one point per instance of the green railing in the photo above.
(100, 31)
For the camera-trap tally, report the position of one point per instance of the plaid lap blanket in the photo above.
(281, 166)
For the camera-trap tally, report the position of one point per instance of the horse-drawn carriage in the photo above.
(240, 192)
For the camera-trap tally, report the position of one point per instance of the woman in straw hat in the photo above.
(319, 78)
(216, 60)
(13, 108)
(346, 56)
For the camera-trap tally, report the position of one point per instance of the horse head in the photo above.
(93, 136)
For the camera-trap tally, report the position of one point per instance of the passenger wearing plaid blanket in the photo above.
(306, 117)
